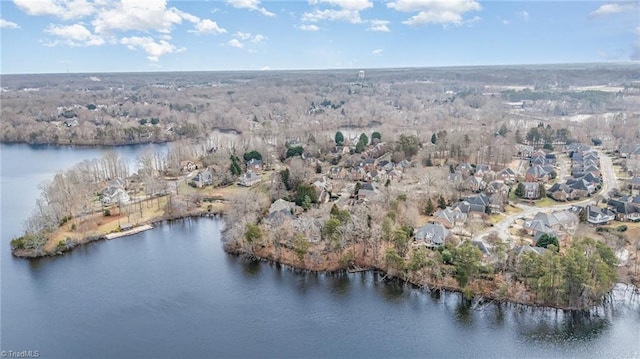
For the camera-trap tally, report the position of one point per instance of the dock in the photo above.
(129, 232)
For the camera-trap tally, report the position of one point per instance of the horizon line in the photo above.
(615, 63)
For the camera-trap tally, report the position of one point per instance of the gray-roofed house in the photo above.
(115, 193)
(531, 190)
(625, 211)
(203, 178)
(432, 234)
(450, 217)
(507, 175)
(597, 215)
(249, 179)
(254, 165)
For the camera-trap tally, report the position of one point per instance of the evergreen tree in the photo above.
(434, 138)
(339, 138)
(376, 136)
(519, 190)
(364, 139)
(428, 209)
(542, 191)
(442, 204)
(546, 240)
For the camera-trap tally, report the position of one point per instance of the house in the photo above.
(597, 215)
(625, 211)
(323, 189)
(394, 175)
(522, 250)
(507, 175)
(558, 221)
(561, 192)
(337, 172)
(483, 247)
(187, 166)
(203, 178)
(475, 184)
(432, 234)
(465, 168)
(474, 205)
(536, 173)
(497, 187)
(279, 211)
(254, 165)
(531, 190)
(449, 217)
(635, 182)
(356, 173)
(249, 179)
(368, 192)
(115, 193)
(581, 187)
(281, 206)
(524, 151)
(374, 176)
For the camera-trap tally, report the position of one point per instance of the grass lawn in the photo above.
(509, 210)
(546, 202)
(97, 224)
(495, 218)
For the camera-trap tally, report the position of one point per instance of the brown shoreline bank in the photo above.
(330, 261)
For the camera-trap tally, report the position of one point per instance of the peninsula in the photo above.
(490, 188)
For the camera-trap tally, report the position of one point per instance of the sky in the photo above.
(84, 36)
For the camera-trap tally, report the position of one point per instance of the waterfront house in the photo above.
(432, 234)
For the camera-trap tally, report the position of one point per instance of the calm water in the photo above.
(172, 292)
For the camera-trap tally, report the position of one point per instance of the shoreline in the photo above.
(327, 266)
(485, 297)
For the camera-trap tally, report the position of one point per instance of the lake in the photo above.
(172, 292)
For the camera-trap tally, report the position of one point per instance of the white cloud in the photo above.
(355, 5)
(147, 24)
(377, 52)
(265, 68)
(523, 14)
(608, 9)
(258, 38)
(434, 17)
(235, 43)
(308, 27)
(73, 35)
(253, 5)
(505, 22)
(141, 15)
(637, 30)
(341, 10)
(351, 16)
(65, 9)
(207, 26)
(153, 49)
(379, 25)
(243, 35)
(8, 24)
(435, 11)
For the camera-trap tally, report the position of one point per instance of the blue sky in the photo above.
(44, 36)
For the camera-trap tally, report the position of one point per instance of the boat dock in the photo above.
(129, 232)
